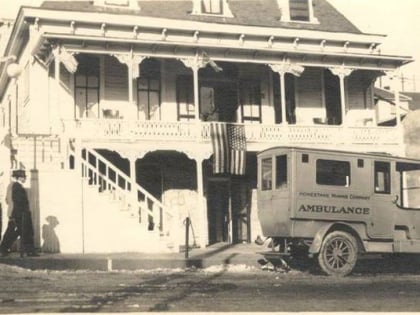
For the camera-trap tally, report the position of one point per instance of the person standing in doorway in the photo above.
(20, 218)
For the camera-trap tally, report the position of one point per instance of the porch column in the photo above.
(282, 69)
(61, 56)
(342, 73)
(54, 109)
(394, 77)
(132, 62)
(201, 200)
(132, 158)
(196, 63)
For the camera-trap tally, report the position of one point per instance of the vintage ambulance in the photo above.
(335, 206)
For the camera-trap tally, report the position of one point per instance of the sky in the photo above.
(398, 19)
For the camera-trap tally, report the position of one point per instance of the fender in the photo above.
(319, 236)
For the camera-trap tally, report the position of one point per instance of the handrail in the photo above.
(121, 179)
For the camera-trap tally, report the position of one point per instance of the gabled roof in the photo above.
(246, 12)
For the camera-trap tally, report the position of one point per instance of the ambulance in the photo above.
(334, 206)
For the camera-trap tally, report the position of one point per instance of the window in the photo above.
(148, 89)
(305, 158)
(332, 172)
(410, 185)
(87, 87)
(382, 178)
(281, 171)
(212, 6)
(266, 174)
(185, 98)
(299, 10)
(251, 101)
(289, 81)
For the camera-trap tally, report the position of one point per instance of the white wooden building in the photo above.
(111, 111)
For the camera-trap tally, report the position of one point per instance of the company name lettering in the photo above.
(334, 209)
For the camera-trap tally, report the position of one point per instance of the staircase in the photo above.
(120, 215)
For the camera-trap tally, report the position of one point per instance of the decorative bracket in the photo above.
(287, 67)
(132, 62)
(341, 72)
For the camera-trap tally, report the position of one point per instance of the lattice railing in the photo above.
(260, 133)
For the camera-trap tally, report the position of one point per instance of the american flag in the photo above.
(229, 148)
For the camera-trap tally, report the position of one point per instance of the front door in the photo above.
(382, 225)
(241, 208)
(218, 192)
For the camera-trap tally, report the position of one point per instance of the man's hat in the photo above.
(18, 173)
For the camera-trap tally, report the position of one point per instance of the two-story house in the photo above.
(125, 113)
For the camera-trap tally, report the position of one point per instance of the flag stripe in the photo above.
(220, 147)
(237, 145)
(229, 148)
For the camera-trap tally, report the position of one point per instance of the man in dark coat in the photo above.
(20, 219)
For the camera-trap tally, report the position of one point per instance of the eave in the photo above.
(115, 33)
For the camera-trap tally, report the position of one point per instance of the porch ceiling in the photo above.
(241, 54)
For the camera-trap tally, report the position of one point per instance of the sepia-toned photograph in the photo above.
(209, 156)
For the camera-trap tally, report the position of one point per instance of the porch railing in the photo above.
(258, 133)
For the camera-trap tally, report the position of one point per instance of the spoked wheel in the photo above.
(338, 254)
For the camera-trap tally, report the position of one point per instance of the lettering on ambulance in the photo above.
(334, 209)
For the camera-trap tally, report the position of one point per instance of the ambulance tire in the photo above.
(338, 253)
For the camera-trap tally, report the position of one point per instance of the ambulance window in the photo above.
(281, 171)
(267, 174)
(334, 173)
(382, 178)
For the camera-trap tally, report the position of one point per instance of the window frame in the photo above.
(199, 8)
(266, 170)
(333, 174)
(86, 69)
(187, 81)
(294, 6)
(387, 179)
(211, 4)
(149, 76)
(250, 91)
(284, 178)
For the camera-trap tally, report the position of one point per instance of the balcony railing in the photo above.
(113, 129)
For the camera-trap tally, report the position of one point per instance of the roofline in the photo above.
(356, 153)
(130, 20)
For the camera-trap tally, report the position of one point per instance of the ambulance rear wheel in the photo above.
(338, 254)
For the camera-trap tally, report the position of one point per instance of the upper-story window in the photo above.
(212, 7)
(129, 4)
(297, 11)
(148, 89)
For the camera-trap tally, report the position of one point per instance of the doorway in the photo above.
(332, 98)
(218, 204)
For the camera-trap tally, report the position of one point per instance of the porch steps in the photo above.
(115, 220)
(109, 227)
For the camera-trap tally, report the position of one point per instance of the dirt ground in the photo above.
(377, 285)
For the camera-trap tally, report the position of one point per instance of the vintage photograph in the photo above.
(209, 156)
